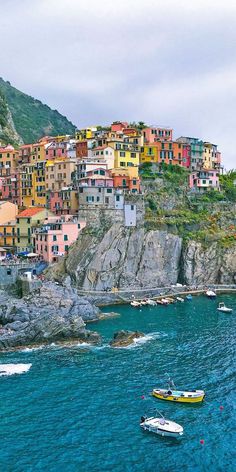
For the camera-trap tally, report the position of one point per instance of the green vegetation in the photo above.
(31, 118)
(207, 217)
(3, 110)
(228, 185)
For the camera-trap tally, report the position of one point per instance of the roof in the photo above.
(30, 212)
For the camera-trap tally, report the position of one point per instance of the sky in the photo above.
(165, 62)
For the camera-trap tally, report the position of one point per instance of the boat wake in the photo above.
(11, 369)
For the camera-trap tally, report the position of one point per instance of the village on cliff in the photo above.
(48, 188)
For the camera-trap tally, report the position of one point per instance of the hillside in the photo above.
(31, 118)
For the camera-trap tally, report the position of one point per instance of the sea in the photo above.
(78, 408)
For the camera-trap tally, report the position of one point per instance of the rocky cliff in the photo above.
(53, 314)
(137, 258)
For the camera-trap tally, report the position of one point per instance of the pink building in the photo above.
(10, 188)
(56, 235)
(204, 180)
(152, 135)
(54, 150)
(186, 155)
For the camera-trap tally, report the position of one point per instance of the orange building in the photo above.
(122, 180)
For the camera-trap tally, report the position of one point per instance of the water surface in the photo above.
(78, 409)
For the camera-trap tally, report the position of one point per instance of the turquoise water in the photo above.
(79, 409)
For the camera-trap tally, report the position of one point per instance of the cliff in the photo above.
(140, 258)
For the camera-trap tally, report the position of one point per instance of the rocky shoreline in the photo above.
(55, 313)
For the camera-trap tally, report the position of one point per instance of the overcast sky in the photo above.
(166, 62)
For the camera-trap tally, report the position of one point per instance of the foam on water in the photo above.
(142, 340)
(11, 369)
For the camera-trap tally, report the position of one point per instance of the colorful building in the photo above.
(59, 173)
(8, 211)
(154, 134)
(204, 180)
(8, 235)
(26, 223)
(63, 202)
(54, 237)
(8, 160)
(122, 180)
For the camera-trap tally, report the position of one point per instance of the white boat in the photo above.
(150, 302)
(210, 293)
(161, 426)
(144, 302)
(11, 369)
(224, 308)
(179, 299)
(135, 304)
(165, 301)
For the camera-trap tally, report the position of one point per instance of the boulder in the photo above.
(124, 338)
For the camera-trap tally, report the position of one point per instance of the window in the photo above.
(66, 248)
(78, 225)
(81, 190)
(124, 182)
(133, 154)
(98, 199)
(106, 200)
(65, 237)
(28, 221)
(8, 271)
(54, 238)
(122, 154)
(132, 207)
(122, 164)
(17, 220)
(134, 182)
(109, 190)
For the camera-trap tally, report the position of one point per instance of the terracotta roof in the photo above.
(30, 212)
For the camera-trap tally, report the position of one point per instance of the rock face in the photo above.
(134, 258)
(125, 338)
(53, 314)
(211, 265)
(124, 257)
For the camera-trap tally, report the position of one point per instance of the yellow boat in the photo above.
(194, 396)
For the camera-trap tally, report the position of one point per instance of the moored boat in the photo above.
(161, 426)
(189, 297)
(224, 308)
(150, 302)
(165, 301)
(135, 304)
(210, 293)
(179, 299)
(181, 396)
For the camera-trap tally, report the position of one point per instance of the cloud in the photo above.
(164, 61)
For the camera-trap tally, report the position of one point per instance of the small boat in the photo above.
(160, 302)
(135, 304)
(150, 302)
(165, 301)
(179, 299)
(224, 308)
(143, 302)
(210, 294)
(189, 297)
(161, 426)
(170, 300)
(181, 396)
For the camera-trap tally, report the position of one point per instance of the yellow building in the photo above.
(126, 155)
(8, 235)
(26, 223)
(32, 185)
(8, 160)
(149, 153)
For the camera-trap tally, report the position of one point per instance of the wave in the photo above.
(11, 369)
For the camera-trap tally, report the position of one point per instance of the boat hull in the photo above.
(178, 399)
(162, 433)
